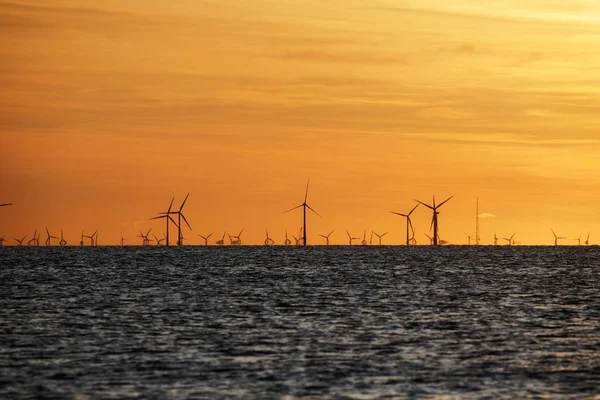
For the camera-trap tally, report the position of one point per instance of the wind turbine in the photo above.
(145, 240)
(62, 242)
(122, 240)
(206, 238)
(2, 241)
(81, 243)
(304, 206)
(408, 223)
(21, 240)
(351, 238)
(495, 239)
(222, 241)
(167, 217)
(287, 240)
(238, 239)
(35, 240)
(510, 240)
(434, 220)
(364, 241)
(268, 240)
(430, 239)
(380, 236)
(158, 241)
(578, 240)
(371, 238)
(326, 237)
(556, 238)
(179, 216)
(468, 237)
(587, 241)
(297, 240)
(50, 237)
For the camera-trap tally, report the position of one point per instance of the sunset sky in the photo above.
(111, 107)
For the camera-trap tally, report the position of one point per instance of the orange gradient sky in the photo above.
(111, 107)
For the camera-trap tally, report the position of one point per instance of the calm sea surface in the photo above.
(317, 322)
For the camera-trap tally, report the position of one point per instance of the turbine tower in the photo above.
(477, 237)
(304, 207)
(409, 224)
(434, 220)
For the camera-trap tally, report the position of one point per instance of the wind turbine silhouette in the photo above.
(434, 220)
(6, 204)
(510, 240)
(268, 240)
(122, 240)
(304, 206)
(62, 242)
(409, 224)
(50, 237)
(145, 240)
(351, 238)
(287, 240)
(206, 238)
(35, 241)
(222, 241)
(587, 241)
(495, 239)
(167, 217)
(91, 238)
(179, 217)
(380, 236)
(326, 237)
(158, 241)
(238, 239)
(468, 237)
(578, 240)
(81, 243)
(556, 238)
(2, 241)
(21, 240)
(364, 241)
(430, 239)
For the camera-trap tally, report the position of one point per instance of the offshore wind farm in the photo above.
(366, 199)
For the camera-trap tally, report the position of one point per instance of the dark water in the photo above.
(335, 322)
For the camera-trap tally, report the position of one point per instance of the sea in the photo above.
(335, 322)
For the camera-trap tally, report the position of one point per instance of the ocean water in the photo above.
(317, 322)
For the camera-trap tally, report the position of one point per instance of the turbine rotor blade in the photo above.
(310, 208)
(445, 201)
(306, 194)
(292, 209)
(426, 205)
(186, 221)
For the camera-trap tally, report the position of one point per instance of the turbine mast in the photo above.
(477, 237)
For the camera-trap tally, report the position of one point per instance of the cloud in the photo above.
(486, 216)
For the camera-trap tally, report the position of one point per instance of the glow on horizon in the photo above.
(111, 108)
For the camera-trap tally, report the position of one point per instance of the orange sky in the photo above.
(111, 107)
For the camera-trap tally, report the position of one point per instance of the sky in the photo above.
(110, 108)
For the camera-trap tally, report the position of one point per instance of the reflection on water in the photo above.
(360, 322)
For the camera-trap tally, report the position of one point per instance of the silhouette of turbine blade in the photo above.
(183, 204)
(173, 221)
(306, 194)
(431, 226)
(400, 214)
(171, 205)
(292, 209)
(161, 217)
(411, 211)
(426, 205)
(186, 221)
(6, 204)
(310, 208)
(445, 201)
